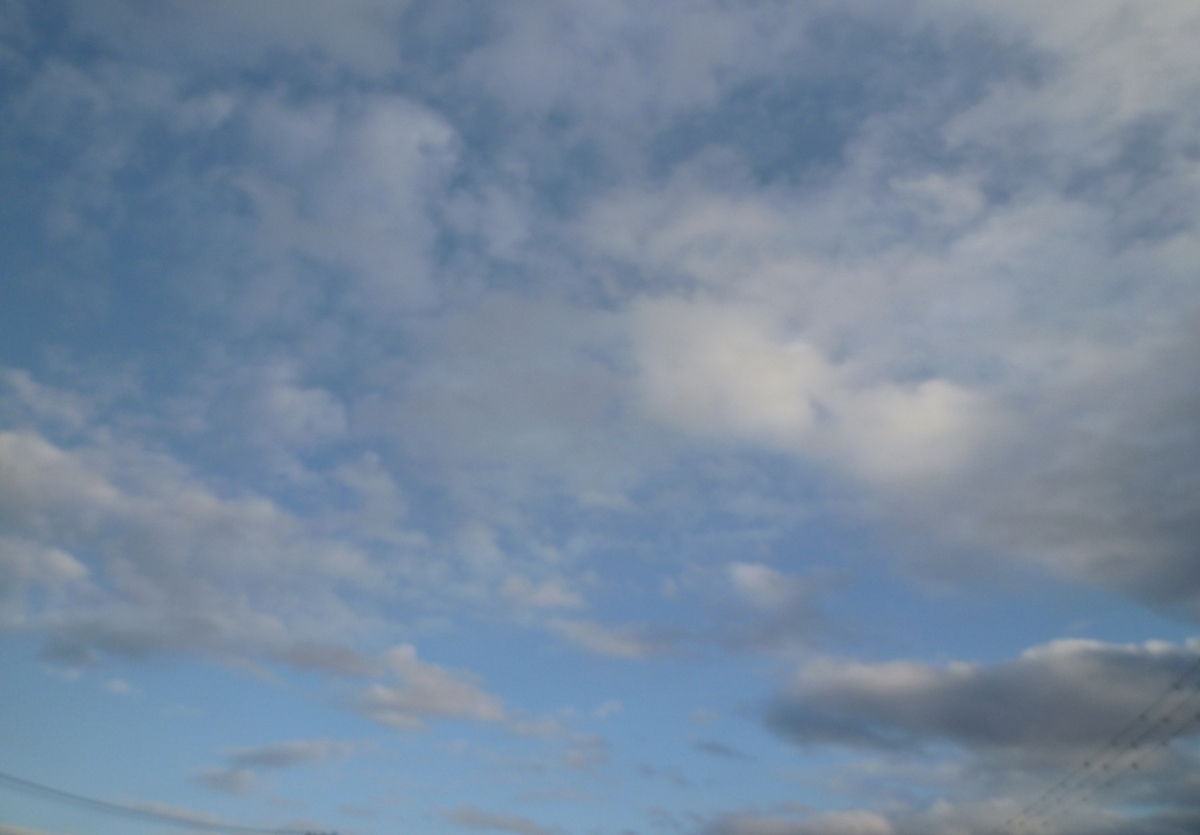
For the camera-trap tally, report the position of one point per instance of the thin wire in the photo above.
(1146, 744)
(21, 784)
(1106, 757)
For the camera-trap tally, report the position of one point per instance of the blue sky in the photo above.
(713, 418)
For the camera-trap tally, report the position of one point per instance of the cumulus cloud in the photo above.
(158, 547)
(527, 322)
(937, 326)
(425, 691)
(1064, 696)
(948, 332)
(367, 173)
(1069, 737)
(719, 369)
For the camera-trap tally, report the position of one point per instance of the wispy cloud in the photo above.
(634, 642)
(472, 817)
(247, 765)
(424, 691)
(719, 749)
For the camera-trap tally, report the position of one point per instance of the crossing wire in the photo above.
(1103, 761)
(1159, 734)
(136, 812)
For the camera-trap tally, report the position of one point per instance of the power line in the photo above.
(137, 812)
(1104, 764)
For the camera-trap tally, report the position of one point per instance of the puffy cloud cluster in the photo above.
(1068, 695)
(164, 551)
(508, 311)
(1059, 736)
(988, 336)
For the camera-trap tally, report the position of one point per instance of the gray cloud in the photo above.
(586, 751)
(719, 749)
(361, 36)
(285, 754)
(633, 642)
(472, 817)
(168, 545)
(946, 818)
(1068, 695)
(10, 829)
(832, 823)
(248, 765)
(228, 780)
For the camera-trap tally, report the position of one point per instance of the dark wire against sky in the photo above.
(135, 812)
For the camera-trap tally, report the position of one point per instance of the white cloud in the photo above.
(160, 550)
(1116, 64)
(56, 406)
(977, 363)
(425, 691)
(25, 564)
(726, 370)
(350, 187)
(764, 586)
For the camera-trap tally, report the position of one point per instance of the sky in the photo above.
(600, 418)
